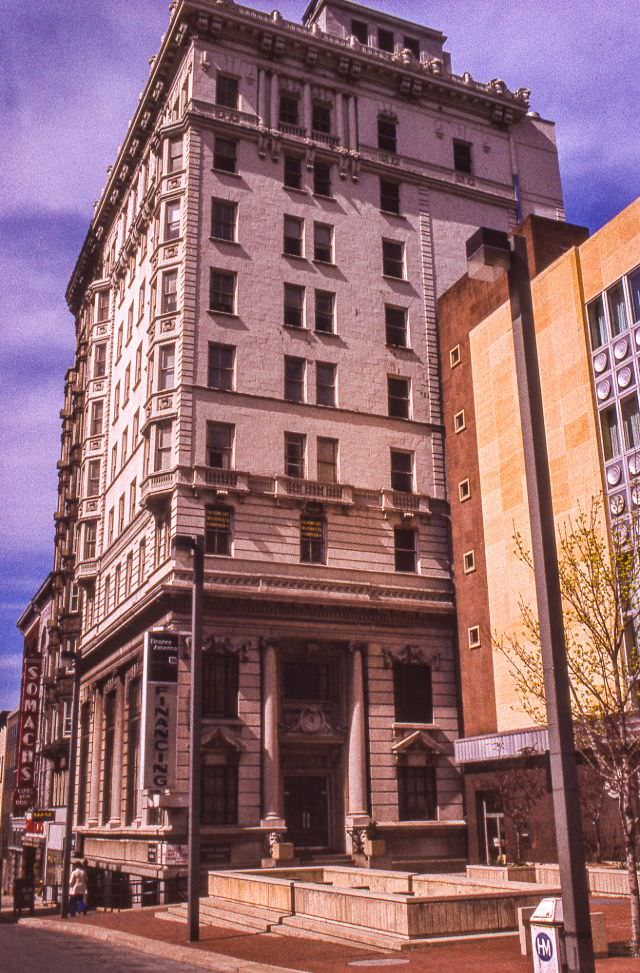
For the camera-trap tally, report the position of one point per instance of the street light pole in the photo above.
(71, 786)
(492, 250)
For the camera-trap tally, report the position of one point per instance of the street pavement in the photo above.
(28, 950)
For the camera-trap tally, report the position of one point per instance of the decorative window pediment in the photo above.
(421, 742)
(222, 739)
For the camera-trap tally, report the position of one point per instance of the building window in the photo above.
(289, 113)
(327, 460)
(464, 490)
(321, 178)
(132, 499)
(126, 385)
(90, 537)
(116, 403)
(93, 478)
(227, 91)
(325, 312)
(142, 557)
(110, 518)
(459, 422)
(135, 429)
(473, 637)
(610, 433)
(393, 259)
(100, 360)
(222, 292)
(323, 243)
(401, 471)
(395, 319)
(166, 367)
(312, 538)
(295, 454)
(387, 134)
(455, 356)
(117, 586)
(617, 309)
(225, 154)
(172, 222)
(405, 547)
(119, 343)
(217, 531)
(417, 798)
(220, 436)
(83, 763)
(462, 161)
(412, 693)
(175, 158)
(141, 299)
(469, 562)
(634, 290)
(412, 44)
(390, 197)
(293, 236)
(307, 682)
(220, 793)
(293, 306)
(631, 422)
(326, 375)
(220, 684)
(169, 292)
(360, 30)
(221, 367)
(106, 594)
(103, 306)
(224, 218)
(109, 746)
(321, 117)
(128, 574)
(293, 172)
(399, 397)
(137, 372)
(294, 379)
(134, 709)
(597, 323)
(163, 447)
(386, 40)
(74, 598)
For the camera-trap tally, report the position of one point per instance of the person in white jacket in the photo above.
(77, 889)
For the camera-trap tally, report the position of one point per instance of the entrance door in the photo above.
(491, 820)
(306, 809)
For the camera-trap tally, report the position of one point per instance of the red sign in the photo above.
(24, 795)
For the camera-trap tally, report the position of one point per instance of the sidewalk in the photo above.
(227, 950)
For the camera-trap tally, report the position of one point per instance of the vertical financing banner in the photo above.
(24, 796)
(160, 711)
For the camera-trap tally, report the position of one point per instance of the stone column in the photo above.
(118, 743)
(274, 101)
(307, 108)
(271, 785)
(340, 120)
(358, 805)
(96, 749)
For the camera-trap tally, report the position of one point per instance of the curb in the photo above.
(215, 962)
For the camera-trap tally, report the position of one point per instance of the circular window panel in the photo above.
(625, 377)
(621, 349)
(635, 496)
(613, 475)
(600, 361)
(634, 465)
(604, 388)
(617, 505)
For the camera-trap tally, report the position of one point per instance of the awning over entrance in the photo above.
(501, 746)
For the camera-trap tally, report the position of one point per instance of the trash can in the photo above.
(547, 937)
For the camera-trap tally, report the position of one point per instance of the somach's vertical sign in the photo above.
(24, 793)
(160, 711)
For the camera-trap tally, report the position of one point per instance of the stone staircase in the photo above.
(215, 911)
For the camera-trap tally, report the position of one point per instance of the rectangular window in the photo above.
(327, 460)
(399, 397)
(220, 793)
(293, 306)
(121, 514)
(597, 323)
(293, 236)
(323, 242)
(130, 323)
(116, 402)
(386, 40)
(610, 433)
(469, 562)
(390, 197)
(464, 490)
(109, 748)
(222, 292)
(360, 31)
(100, 360)
(325, 312)
(412, 693)
(170, 292)
(473, 637)
(175, 155)
(295, 447)
(412, 44)
(93, 478)
(135, 429)
(220, 685)
(217, 532)
(417, 798)
(120, 342)
(220, 437)
(631, 422)
(83, 762)
(293, 172)
(166, 367)
(137, 371)
(225, 154)
(90, 536)
(74, 598)
(321, 117)
(124, 448)
(96, 417)
(162, 459)
(634, 290)
(126, 385)
(289, 110)
(401, 471)
(142, 556)
(462, 161)
(395, 320)
(326, 375)
(132, 499)
(387, 134)
(227, 91)
(617, 309)
(455, 356)
(294, 379)
(103, 306)
(393, 259)
(221, 367)
(405, 543)
(312, 539)
(321, 178)
(172, 221)
(224, 215)
(141, 299)
(459, 422)
(128, 574)
(134, 710)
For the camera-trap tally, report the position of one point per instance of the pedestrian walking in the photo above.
(78, 889)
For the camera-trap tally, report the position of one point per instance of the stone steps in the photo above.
(225, 912)
(344, 933)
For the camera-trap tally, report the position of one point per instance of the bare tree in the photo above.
(600, 584)
(520, 790)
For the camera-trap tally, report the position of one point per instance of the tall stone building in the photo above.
(257, 363)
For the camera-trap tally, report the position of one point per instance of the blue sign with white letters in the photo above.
(544, 947)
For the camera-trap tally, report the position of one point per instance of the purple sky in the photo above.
(72, 71)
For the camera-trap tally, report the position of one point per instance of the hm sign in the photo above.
(544, 947)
